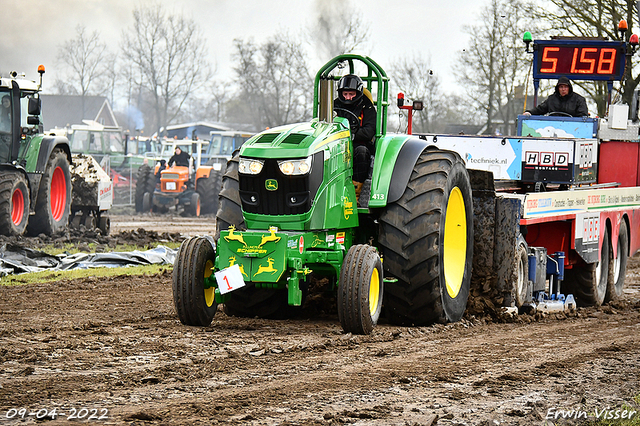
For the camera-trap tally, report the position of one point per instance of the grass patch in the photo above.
(49, 276)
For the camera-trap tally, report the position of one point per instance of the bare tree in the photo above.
(169, 53)
(84, 58)
(592, 18)
(414, 77)
(495, 64)
(275, 87)
(338, 29)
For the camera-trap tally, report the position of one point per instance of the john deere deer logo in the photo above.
(268, 268)
(271, 184)
(271, 237)
(234, 237)
(232, 261)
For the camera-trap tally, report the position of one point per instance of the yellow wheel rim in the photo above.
(455, 242)
(209, 293)
(374, 292)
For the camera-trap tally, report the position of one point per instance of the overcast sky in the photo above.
(32, 31)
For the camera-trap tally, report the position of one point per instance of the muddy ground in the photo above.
(115, 347)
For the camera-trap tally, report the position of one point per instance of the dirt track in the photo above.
(115, 346)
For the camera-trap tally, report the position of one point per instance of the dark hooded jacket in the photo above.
(572, 104)
(365, 111)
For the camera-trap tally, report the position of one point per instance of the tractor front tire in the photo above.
(360, 290)
(194, 205)
(53, 203)
(426, 239)
(194, 303)
(588, 282)
(14, 203)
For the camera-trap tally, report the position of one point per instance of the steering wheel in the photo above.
(354, 121)
(560, 113)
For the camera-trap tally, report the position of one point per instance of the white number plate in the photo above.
(171, 185)
(229, 279)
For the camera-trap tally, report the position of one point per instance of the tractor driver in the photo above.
(5, 114)
(179, 158)
(351, 99)
(563, 100)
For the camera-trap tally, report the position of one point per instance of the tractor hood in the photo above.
(295, 140)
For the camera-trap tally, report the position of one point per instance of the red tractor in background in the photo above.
(194, 187)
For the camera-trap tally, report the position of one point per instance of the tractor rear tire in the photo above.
(195, 304)
(230, 207)
(209, 190)
(588, 282)
(145, 182)
(618, 266)
(14, 203)
(53, 203)
(426, 239)
(360, 290)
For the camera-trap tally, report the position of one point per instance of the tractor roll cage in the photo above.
(375, 74)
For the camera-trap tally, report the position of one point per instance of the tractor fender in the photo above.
(48, 144)
(203, 172)
(407, 157)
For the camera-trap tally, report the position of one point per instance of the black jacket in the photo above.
(572, 104)
(365, 111)
(181, 159)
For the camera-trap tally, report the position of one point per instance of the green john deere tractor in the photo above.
(288, 208)
(34, 168)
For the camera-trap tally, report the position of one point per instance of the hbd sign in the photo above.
(546, 159)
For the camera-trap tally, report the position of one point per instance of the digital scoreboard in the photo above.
(579, 59)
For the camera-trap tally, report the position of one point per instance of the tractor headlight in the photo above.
(250, 166)
(295, 167)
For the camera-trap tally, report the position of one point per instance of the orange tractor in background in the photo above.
(193, 187)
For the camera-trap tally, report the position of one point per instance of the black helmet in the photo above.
(350, 82)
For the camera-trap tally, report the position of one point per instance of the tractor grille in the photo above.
(294, 194)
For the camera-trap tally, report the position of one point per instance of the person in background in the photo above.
(179, 158)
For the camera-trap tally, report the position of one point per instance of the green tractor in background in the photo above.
(288, 208)
(34, 169)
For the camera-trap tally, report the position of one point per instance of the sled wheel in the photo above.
(53, 203)
(194, 303)
(194, 206)
(89, 222)
(145, 182)
(426, 240)
(521, 288)
(230, 207)
(209, 189)
(360, 290)
(14, 203)
(618, 266)
(104, 223)
(588, 282)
